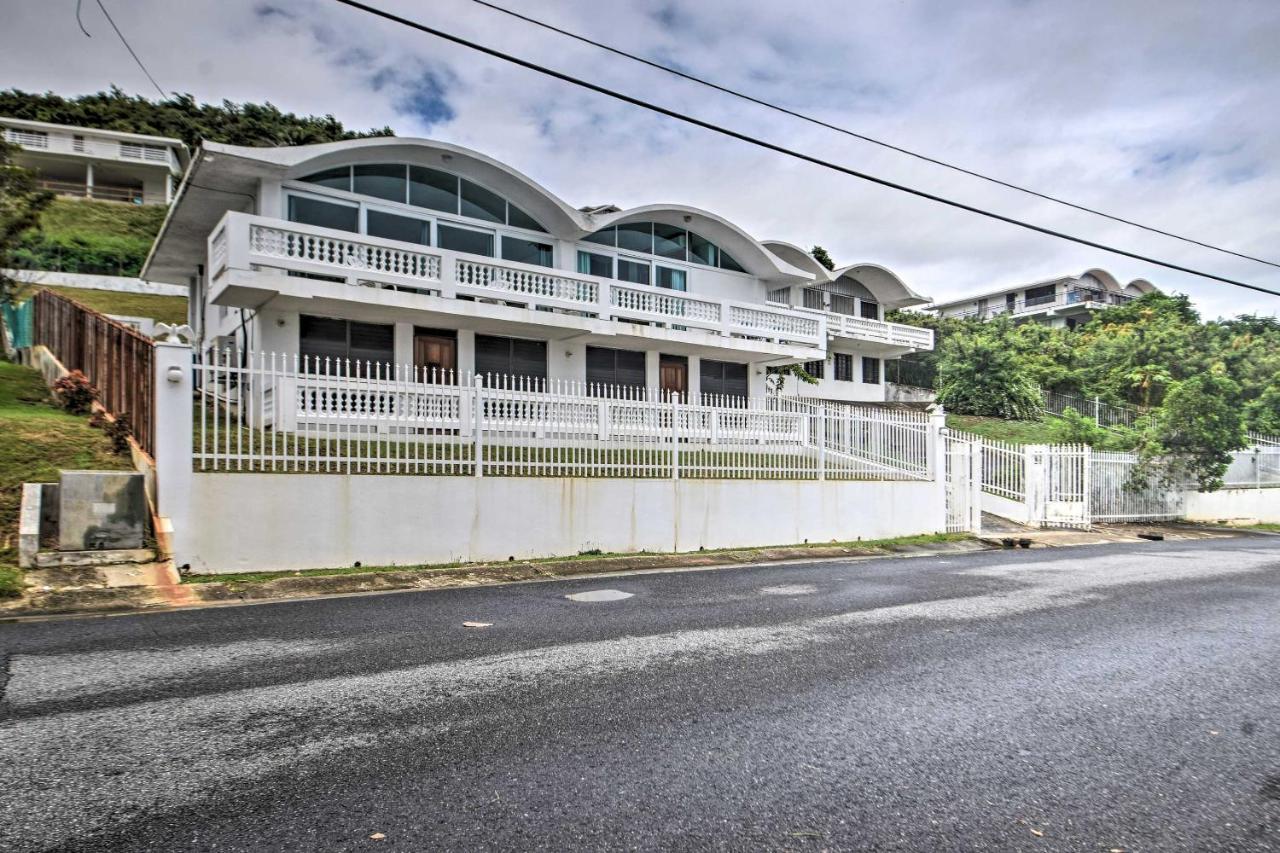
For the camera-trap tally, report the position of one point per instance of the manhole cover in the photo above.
(599, 595)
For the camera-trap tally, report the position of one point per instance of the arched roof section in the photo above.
(1106, 279)
(549, 210)
(798, 258)
(888, 289)
(1140, 286)
(745, 249)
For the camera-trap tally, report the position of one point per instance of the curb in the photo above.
(122, 600)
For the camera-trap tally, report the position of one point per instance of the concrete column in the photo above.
(403, 344)
(466, 352)
(88, 180)
(172, 378)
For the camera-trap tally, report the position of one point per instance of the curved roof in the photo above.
(1141, 285)
(1106, 279)
(887, 288)
(799, 258)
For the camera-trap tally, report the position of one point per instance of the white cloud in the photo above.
(1159, 112)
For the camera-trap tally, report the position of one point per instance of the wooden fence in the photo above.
(117, 359)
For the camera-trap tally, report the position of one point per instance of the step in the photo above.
(79, 559)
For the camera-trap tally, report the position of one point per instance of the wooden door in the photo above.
(673, 378)
(436, 357)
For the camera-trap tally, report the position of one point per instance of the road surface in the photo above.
(1083, 699)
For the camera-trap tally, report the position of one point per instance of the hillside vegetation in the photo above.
(99, 237)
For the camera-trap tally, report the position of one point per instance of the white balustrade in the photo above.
(780, 322)
(667, 304)
(342, 253)
(525, 282)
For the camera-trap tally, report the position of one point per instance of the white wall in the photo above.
(257, 522)
(1232, 504)
(121, 284)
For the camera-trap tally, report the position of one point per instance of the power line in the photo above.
(863, 137)
(770, 146)
(125, 42)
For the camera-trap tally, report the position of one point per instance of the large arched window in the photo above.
(665, 241)
(421, 186)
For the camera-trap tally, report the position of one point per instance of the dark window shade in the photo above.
(814, 368)
(725, 378)
(870, 310)
(323, 338)
(324, 214)
(526, 251)
(589, 263)
(843, 305)
(433, 189)
(871, 370)
(338, 179)
(614, 367)
(514, 357)
(380, 180)
(393, 227)
(636, 272)
(843, 363)
(465, 240)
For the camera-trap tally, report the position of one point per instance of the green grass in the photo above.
(68, 216)
(91, 237)
(165, 309)
(37, 440)
(260, 577)
(1017, 432)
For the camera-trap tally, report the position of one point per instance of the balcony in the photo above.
(86, 145)
(1088, 298)
(254, 246)
(101, 192)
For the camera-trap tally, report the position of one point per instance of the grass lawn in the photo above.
(36, 441)
(1018, 432)
(260, 577)
(166, 309)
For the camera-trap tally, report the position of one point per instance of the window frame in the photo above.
(870, 360)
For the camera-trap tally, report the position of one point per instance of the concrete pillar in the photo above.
(172, 378)
(88, 180)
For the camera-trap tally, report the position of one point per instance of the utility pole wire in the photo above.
(808, 158)
(125, 42)
(863, 137)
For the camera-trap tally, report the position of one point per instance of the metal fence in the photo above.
(1257, 467)
(1103, 414)
(1120, 491)
(288, 413)
(117, 359)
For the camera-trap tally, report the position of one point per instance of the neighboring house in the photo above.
(414, 252)
(104, 165)
(1069, 301)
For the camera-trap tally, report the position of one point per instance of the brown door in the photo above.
(673, 376)
(436, 357)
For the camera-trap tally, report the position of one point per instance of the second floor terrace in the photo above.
(45, 138)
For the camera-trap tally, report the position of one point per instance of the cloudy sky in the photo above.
(1162, 111)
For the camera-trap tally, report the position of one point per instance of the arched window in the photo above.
(665, 241)
(422, 186)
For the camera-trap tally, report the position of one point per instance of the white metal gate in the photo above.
(1058, 485)
(1115, 494)
(963, 482)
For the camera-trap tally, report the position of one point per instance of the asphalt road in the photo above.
(1091, 699)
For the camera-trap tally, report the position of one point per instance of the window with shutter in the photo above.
(614, 368)
(503, 358)
(722, 378)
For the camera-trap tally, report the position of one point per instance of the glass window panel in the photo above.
(338, 179)
(519, 219)
(605, 237)
(407, 229)
(703, 251)
(843, 363)
(728, 263)
(671, 279)
(526, 251)
(465, 240)
(870, 310)
(636, 236)
(669, 241)
(479, 203)
(380, 180)
(589, 263)
(433, 189)
(325, 214)
(871, 370)
(633, 271)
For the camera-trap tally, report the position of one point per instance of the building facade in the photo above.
(1066, 302)
(103, 165)
(414, 252)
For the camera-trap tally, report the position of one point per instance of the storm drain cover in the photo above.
(599, 595)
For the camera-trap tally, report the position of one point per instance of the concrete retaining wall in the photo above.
(121, 284)
(256, 522)
(1234, 504)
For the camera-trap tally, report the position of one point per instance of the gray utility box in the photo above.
(101, 510)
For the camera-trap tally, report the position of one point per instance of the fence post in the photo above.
(172, 384)
(675, 436)
(477, 425)
(1097, 411)
(1033, 482)
(937, 458)
(822, 442)
(976, 462)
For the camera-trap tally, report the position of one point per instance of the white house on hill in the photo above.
(105, 165)
(410, 251)
(1068, 301)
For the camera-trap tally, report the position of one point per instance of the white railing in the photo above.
(268, 412)
(879, 331)
(276, 243)
(525, 282)
(1120, 491)
(255, 243)
(86, 144)
(27, 138)
(1257, 467)
(142, 151)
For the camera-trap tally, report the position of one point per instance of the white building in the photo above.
(105, 165)
(1067, 302)
(410, 251)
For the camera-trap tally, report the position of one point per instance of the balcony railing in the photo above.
(245, 242)
(1071, 296)
(89, 146)
(102, 192)
(876, 331)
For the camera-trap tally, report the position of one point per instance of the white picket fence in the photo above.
(287, 413)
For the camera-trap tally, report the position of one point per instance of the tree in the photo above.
(820, 255)
(1262, 414)
(980, 374)
(1192, 435)
(20, 204)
